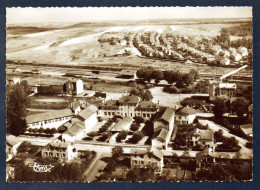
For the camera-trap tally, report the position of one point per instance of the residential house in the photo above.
(74, 86)
(185, 115)
(163, 126)
(206, 158)
(75, 105)
(143, 158)
(61, 150)
(204, 138)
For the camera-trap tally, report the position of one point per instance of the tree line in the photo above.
(148, 73)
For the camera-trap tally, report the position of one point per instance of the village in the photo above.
(147, 133)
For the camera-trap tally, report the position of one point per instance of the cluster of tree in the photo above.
(240, 106)
(42, 130)
(134, 127)
(107, 39)
(144, 94)
(141, 174)
(227, 143)
(27, 147)
(137, 136)
(17, 99)
(149, 73)
(233, 171)
(104, 136)
(121, 136)
(240, 30)
(220, 107)
(104, 127)
(224, 38)
(202, 86)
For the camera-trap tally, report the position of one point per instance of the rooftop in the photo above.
(75, 129)
(128, 100)
(48, 115)
(12, 140)
(127, 72)
(227, 85)
(123, 124)
(87, 112)
(186, 111)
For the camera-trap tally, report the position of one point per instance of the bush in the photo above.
(93, 134)
(138, 119)
(41, 130)
(134, 127)
(47, 130)
(186, 91)
(53, 130)
(121, 136)
(171, 89)
(249, 145)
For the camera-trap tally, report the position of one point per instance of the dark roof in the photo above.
(128, 100)
(110, 103)
(168, 114)
(48, 115)
(186, 111)
(127, 72)
(147, 104)
(86, 113)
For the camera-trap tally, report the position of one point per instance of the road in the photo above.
(96, 165)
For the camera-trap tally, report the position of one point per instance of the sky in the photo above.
(34, 15)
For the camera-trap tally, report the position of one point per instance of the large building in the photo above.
(128, 106)
(163, 126)
(50, 119)
(222, 89)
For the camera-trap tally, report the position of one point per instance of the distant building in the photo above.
(225, 61)
(144, 158)
(74, 86)
(222, 89)
(127, 74)
(13, 81)
(163, 126)
(62, 151)
(185, 115)
(128, 106)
